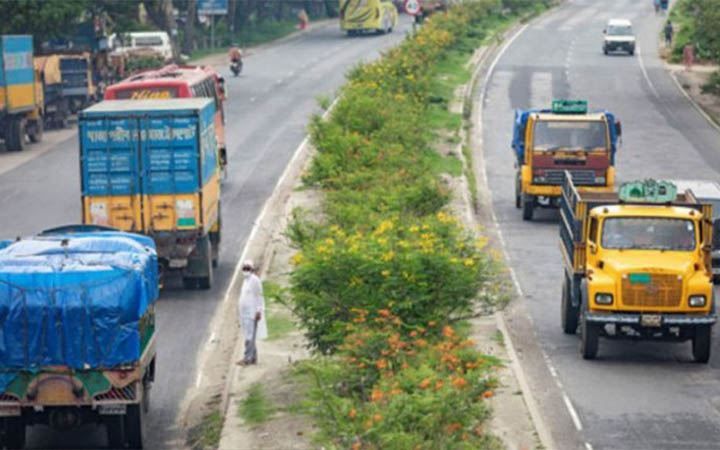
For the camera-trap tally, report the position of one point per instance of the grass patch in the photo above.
(440, 117)
(446, 164)
(256, 408)
(498, 338)
(470, 174)
(209, 430)
(279, 325)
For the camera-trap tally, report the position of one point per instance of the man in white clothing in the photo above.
(251, 312)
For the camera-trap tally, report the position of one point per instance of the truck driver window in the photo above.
(648, 234)
(569, 135)
(593, 230)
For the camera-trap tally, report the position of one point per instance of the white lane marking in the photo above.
(588, 446)
(644, 72)
(573, 413)
(695, 105)
(254, 230)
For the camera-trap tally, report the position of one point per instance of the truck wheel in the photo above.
(518, 194)
(189, 283)
(206, 282)
(569, 312)
(114, 430)
(701, 344)
(589, 339)
(14, 429)
(35, 130)
(528, 205)
(133, 424)
(15, 134)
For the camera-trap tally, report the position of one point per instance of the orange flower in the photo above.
(376, 395)
(431, 323)
(413, 333)
(453, 427)
(361, 365)
(356, 446)
(377, 417)
(352, 413)
(382, 364)
(438, 385)
(404, 366)
(459, 382)
(368, 423)
(425, 383)
(487, 394)
(479, 430)
(448, 332)
(420, 342)
(384, 312)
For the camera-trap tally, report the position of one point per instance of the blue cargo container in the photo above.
(147, 146)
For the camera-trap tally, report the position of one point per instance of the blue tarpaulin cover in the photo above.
(75, 300)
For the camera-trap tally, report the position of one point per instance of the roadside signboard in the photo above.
(413, 7)
(212, 7)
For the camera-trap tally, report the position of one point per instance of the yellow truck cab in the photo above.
(367, 16)
(566, 137)
(637, 265)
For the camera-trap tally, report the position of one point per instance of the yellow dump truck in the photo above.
(637, 265)
(21, 112)
(365, 16)
(547, 142)
(66, 83)
(150, 167)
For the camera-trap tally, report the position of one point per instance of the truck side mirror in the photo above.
(618, 128)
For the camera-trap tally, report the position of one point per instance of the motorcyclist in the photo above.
(235, 53)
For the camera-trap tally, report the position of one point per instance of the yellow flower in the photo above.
(382, 241)
(469, 262)
(385, 273)
(481, 243)
(387, 257)
(414, 229)
(329, 241)
(297, 258)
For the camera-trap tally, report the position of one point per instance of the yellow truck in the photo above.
(67, 85)
(547, 142)
(21, 100)
(637, 265)
(150, 167)
(365, 16)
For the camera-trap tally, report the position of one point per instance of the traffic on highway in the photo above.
(132, 195)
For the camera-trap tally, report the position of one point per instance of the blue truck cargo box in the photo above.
(130, 147)
(16, 65)
(74, 300)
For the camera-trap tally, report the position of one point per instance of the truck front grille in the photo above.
(580, 177)
(662, 291)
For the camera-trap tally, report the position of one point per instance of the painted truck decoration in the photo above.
(150, 167)
(547, 142)
(77, 335)
(21, 96)
(637, 265)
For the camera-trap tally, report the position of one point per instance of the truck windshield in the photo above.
(648, 233)
(569, 135)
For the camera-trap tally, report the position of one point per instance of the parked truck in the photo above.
(21, 101)
(637, 265)
(150, 167)
(67, 85)
(547, 142)
(77, 333)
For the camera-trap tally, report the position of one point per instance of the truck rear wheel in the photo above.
(569, 312)
(528, 205)
(133, 424)
(518, 193)
(35, 130)
(14, 432)
(15, 134)
(114, 430)
(701, 344)
(589, 339)
(206, 282)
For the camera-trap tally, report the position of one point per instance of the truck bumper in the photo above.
(662, 327)
(670, 320)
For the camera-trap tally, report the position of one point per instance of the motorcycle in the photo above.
(236, 67)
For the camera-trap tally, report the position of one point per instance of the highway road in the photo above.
(636, 395)
(267, 114)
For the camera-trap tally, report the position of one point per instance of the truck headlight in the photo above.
(539, 179)
(697, 301)
(600, 180)
(603, 299)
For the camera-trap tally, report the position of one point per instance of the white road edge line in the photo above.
(692, 102)
(644, 72)
(588, 446)
(573, 413)
(254, 230)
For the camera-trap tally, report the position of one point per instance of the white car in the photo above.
(157, 41)
(619, 36)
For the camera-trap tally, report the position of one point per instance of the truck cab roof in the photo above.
(596, 116)
(644, 210)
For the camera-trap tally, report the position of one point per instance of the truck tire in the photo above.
(35, 130)
(528, 205)
(133, 424)
(518, 193)
(589, 338)
(206, 282)
(190, 283)
(701, 344)
(14, 433)
(15, 134)
(114, 430)
(569, 312)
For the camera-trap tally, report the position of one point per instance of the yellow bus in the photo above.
(361, 16)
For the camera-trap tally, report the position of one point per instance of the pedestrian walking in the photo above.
(688, 55)
(669, 30)
(251, 312)
(303, 19)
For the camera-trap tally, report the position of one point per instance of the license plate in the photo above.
(651, 320)
(112, 410)
(9, 411)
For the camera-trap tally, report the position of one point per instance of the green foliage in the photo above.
(208, 433)
(712, 86)
(256, 408)
(41, 18)
(696, 22)
(136, 63)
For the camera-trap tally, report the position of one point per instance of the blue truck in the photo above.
(77, 332)
(151, 167)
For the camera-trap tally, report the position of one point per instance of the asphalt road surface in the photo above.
(267, 114)
(636, 395)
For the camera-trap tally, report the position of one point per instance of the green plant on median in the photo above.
(256, 408)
